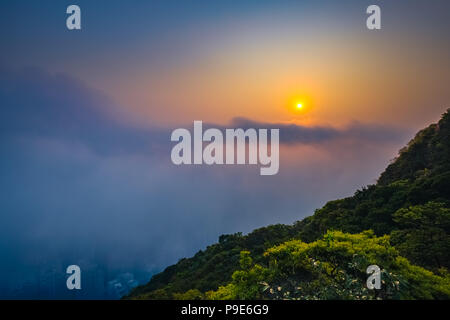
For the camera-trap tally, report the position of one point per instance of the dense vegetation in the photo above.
(333, 267)
(324, 256)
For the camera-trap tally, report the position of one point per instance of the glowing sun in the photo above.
(299, 105)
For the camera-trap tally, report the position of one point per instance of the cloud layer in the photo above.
(82, 184)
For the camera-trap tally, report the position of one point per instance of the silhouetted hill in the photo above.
(427, 153)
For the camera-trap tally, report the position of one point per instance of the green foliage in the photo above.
(192, 294)
(227, 292)
(246, 282)
(423, 235)
(428, 152)
(334, 267)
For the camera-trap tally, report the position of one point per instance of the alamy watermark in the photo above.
(74, 280)
(73, 21)
(209, 147)
(374, 280)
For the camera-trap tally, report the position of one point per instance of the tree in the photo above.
(333, 267)
(424, 234)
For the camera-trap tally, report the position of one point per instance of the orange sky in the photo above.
(260, 66)
(337, 82)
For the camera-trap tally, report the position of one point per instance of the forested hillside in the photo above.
(401, 223)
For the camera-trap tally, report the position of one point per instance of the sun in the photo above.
(299, 105)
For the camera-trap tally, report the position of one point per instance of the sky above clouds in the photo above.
(86, 118)
(169, 62)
